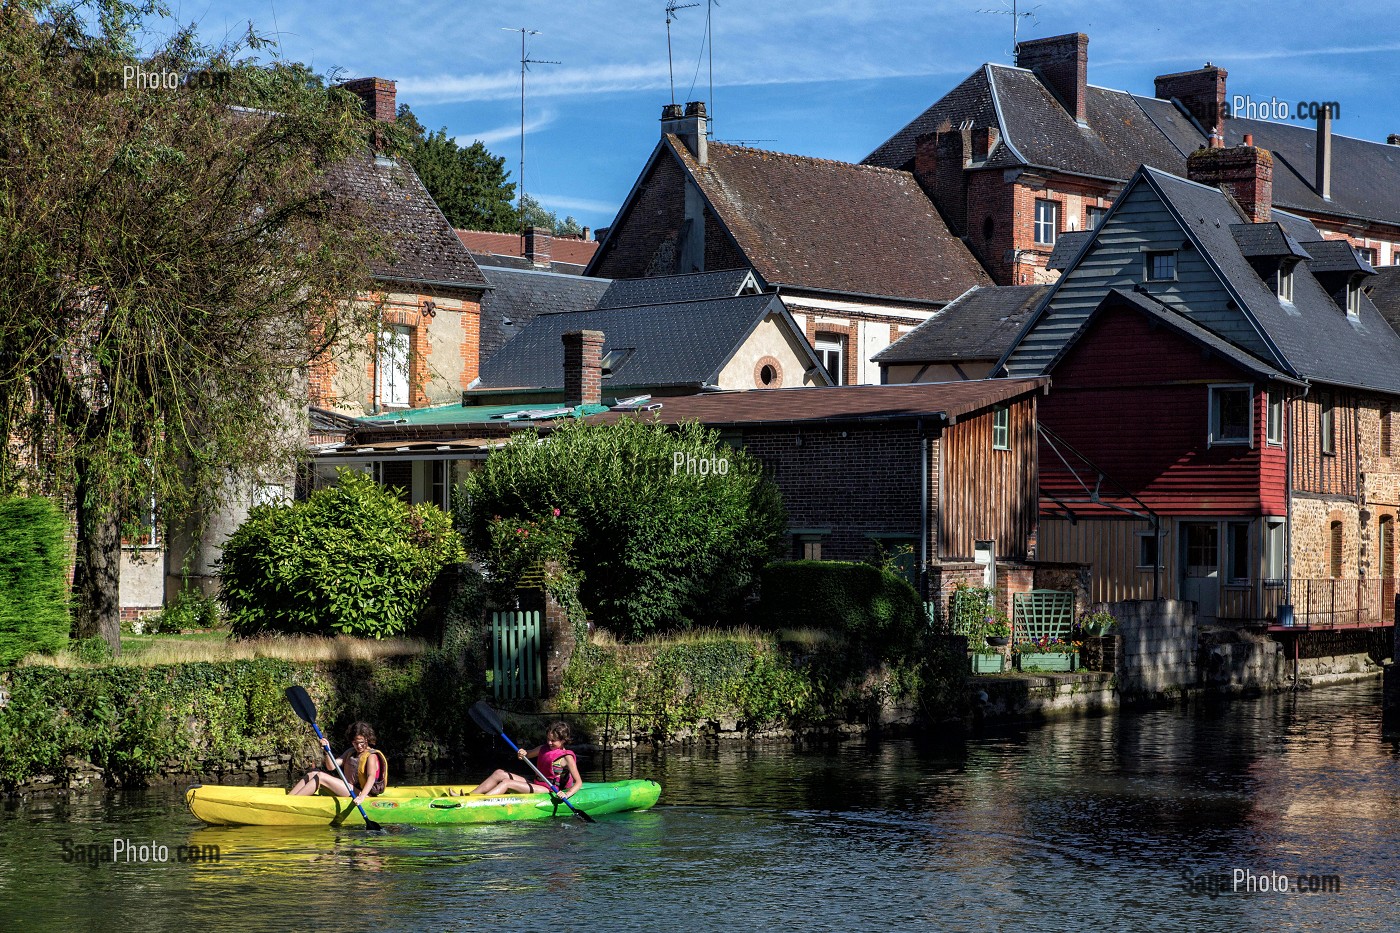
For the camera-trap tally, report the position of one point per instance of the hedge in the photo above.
(877, 611)
(33, 578)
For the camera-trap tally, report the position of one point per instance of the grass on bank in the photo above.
(806, 637)
(153, 650)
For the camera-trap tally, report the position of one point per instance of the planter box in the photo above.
(1050, 661)
(988, 663)
(1101, 653)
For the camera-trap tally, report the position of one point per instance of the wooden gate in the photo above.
(516, 660)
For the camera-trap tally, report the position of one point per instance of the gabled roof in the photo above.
(508, 249)
(696, 286)
(839, 404)
(1309, 338)
(518, 296)
(1337, 256)
(681, 344)
(1266, 240)
(815, 225)
(980, 325)
(426, 249)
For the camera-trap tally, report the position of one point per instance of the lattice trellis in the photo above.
(1042, 614)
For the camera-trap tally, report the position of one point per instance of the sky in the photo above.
(825, 78)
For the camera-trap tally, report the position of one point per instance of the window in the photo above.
(1149, 550)
(1001, 428)
(1230, 415)
(1047, 221)
(1366, 254)
(440, 494)
(613, 359)
(1387, 432)
(1275, 426)
(807, 543)
(1161, 266)
(1354, 298)
(1237, 553)
(1327, 423)
(393, 365)
(1094, 216)
(831, 350)
(1334, 551)
(1285, 282)
(1275, 549)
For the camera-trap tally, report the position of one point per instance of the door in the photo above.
(1200, 563)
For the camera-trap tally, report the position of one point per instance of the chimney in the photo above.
(1201, 93)
(1324, 153)
(537, 251)
(984, 140)
(691, 128)
(1062, 63)
(583, 367)
(1244, 171)
(1393, 139)
(586, 234)
(939, 162)
(378, 96)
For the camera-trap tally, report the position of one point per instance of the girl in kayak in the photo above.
(365, 766)
(556, 762)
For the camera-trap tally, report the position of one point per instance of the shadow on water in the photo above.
(1093, 823)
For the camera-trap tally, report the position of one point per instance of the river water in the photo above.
(1132, 822)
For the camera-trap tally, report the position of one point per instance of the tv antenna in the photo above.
(525, 63)
(671, 9)
(1016, 17)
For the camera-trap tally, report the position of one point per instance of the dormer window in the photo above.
(1354, 297)
(1285, 280)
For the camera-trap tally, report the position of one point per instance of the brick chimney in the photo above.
(583, 367)
(1244, 171)
(379, 95)
(984, 140)
(1393, 139)
(939, 162)
(537, 246)
(1062, 63)
(692, 128)
(1201, 93)
(1323, 178)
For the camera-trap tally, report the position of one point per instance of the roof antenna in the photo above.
(710, 43)
(525, 63)
(1016, 17)
(671, 8)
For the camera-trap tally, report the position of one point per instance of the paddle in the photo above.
(306, 710)
(485, 717)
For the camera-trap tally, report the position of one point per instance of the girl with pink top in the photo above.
(556, 762)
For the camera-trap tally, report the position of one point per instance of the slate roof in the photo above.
(1067, 246)
(727, 283)
(1384, 291)
(980, 325)
(425, 247)
(521, 295)
(817, 225)
(840, 404)
(1336, 256)
(1266, 240)
(681, 344)
(1125, 130)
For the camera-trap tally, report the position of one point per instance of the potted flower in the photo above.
(1048, 654)
(991, 634)
(1098, 631)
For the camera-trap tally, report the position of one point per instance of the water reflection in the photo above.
(1088, 824)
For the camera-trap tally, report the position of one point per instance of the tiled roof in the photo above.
(571, 250)
(727, 283)
(839, 403)
(518, 296)
(1067, 246)
(816, 225)
(980, 325)
(1384, 291)
(682, 344)
(424, 245)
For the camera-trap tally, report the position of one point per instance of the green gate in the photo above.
(516, 662)
(1042, 614)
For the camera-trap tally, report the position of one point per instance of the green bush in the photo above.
(188, 610)
(33, 578)
(657, 547)
(352, 559)
(876, 611)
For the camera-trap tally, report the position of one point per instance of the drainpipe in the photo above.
(923, 510)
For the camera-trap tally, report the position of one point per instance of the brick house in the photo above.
(859, 254)
(1014, 157)
(535, 248)
(1222, 426)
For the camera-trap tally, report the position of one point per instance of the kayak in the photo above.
(436, 805)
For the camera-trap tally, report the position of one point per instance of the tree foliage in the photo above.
(169, 258)
(658, 547)
(33, 578)
(352, 559)
(467, 182)
(537, 216)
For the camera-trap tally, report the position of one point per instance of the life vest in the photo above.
(362, 772)
(554, 767)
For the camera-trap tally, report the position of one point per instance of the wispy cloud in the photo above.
(562, 202)
(508, 131)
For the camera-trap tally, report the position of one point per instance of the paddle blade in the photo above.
(485, 717)
(301, 703)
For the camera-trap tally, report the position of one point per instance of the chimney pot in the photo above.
(1249, 139)
(583, 367)
(1201, 93)
(1062, 63)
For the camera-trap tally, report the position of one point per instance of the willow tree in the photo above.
(171, 257)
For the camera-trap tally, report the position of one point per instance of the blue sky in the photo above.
(827, 78)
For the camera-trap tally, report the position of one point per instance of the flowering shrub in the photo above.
(520, 547)
(1095, 623)
(1047, 646)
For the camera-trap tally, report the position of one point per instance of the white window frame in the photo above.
(1274, 427)
(1354, 299)
(1285, 282)
(1275, 544)
(394, 351)
(1142, 538)
(1214, 439)
(1001, 428)
(832, 347)
(1046, 228)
